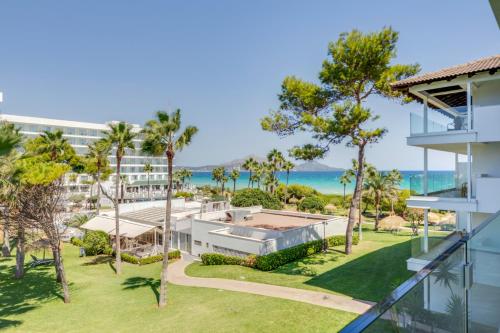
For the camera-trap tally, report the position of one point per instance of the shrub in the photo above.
(77, 199)
(340, 240)
(129, 258)
(95, 242)
(76, 241)
(220, 259)
(183, 194)
(276, 259)
(217, 197)
(311, 204)
(255, 197)
(295, 191)
(250, 261)
(77, 220)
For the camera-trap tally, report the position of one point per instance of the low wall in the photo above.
(178, 203)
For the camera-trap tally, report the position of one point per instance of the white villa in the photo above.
(80, 135)
(457, 284)
(215, 227)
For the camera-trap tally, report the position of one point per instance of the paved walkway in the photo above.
(176, 275)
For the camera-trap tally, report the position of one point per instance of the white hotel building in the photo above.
(80, 135)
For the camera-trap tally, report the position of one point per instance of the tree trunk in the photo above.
(377, 208)
(98, 201)
(286, 187)
(149, 189)
(118, 261)
(58, 262)
(355, 199)
(166, 231)
(250, 178)
(222, 189)
(19, 273)
(6, 239)
(234, 185)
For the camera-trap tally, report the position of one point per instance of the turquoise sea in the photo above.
(328, 181)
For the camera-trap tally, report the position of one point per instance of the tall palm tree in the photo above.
(97, 156)
(275, 161)
(345, 179)
(218, 175)
(54, 144)
(381, 185)
(234, 175)
(250, 165)
(287, 166)
(163, 135)
(121, 136)
(184, 174)
(148, 168)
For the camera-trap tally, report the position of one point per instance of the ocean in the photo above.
(328, 181)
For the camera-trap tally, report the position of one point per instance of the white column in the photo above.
(425, 178)
(469, 106)
(426, 115)
(426, 230)
(469, 171)
(456, 172)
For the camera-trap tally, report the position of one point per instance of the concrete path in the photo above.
(176, 275)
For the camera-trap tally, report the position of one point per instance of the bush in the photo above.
(276, 259)
(295, 191)
(255, 197)
(183, 194)
(311, 204)
(95, 242)
(129, 258)
(220, 259)
(217, 197)
(76, 241)
(77, 199)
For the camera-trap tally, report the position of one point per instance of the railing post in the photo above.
(426, 115)
(469, 171)
(469, 106)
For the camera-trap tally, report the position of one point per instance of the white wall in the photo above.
(486, 108)
(133, 206)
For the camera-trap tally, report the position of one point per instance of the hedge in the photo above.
(311, 204)
(76, 241)
(149, 260)
(255, 197)
(220, 259)
(276, 259)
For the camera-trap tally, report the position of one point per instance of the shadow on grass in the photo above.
(98, 260)
(141, 282)
(369, 277)
(20, 296)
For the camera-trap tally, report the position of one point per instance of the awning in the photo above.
(107, 224)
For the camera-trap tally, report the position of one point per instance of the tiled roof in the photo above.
(480, 65)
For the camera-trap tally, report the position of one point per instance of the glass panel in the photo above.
(435, 304)
(484, 299)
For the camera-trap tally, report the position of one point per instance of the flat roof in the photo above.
(279, 221)
(153, 215)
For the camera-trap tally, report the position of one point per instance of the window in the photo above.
(197, 242)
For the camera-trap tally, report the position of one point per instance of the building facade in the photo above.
(80, 135)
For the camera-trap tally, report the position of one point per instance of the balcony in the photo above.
(459, 291)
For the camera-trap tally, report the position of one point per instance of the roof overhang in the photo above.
(128, 229)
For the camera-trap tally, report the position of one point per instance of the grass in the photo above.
(103, 302)
(376, 267)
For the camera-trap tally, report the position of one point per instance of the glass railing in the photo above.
(459, 291)
(440, 120)
(439, 183)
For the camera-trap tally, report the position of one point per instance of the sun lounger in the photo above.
(40, 262)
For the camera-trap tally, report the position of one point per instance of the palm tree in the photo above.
(183, 175)
(9, 138)
(162, 136)
(395, 179)
(121, 137)
(381, 185)
(287, 166)
(97, 156)
(148, 168)
(234, 175)
(54, 144)
(218, 175)
(250, 164)
(275, 161)
(345, 179)
(123, 187)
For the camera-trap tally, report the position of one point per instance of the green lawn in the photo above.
(376, 267)
(102, 302)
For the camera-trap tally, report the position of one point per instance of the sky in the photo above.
(221, 62)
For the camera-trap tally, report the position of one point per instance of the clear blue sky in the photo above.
(221, 62)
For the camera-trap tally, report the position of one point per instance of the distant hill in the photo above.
(315, 166)
(237, 164)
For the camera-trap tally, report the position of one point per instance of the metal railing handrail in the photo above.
(365, 320)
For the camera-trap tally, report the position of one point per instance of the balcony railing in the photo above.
(439, 120)
(459, 291)
(440, 184)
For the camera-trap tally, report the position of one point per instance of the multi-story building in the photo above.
(457, 286)
(80, 135)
